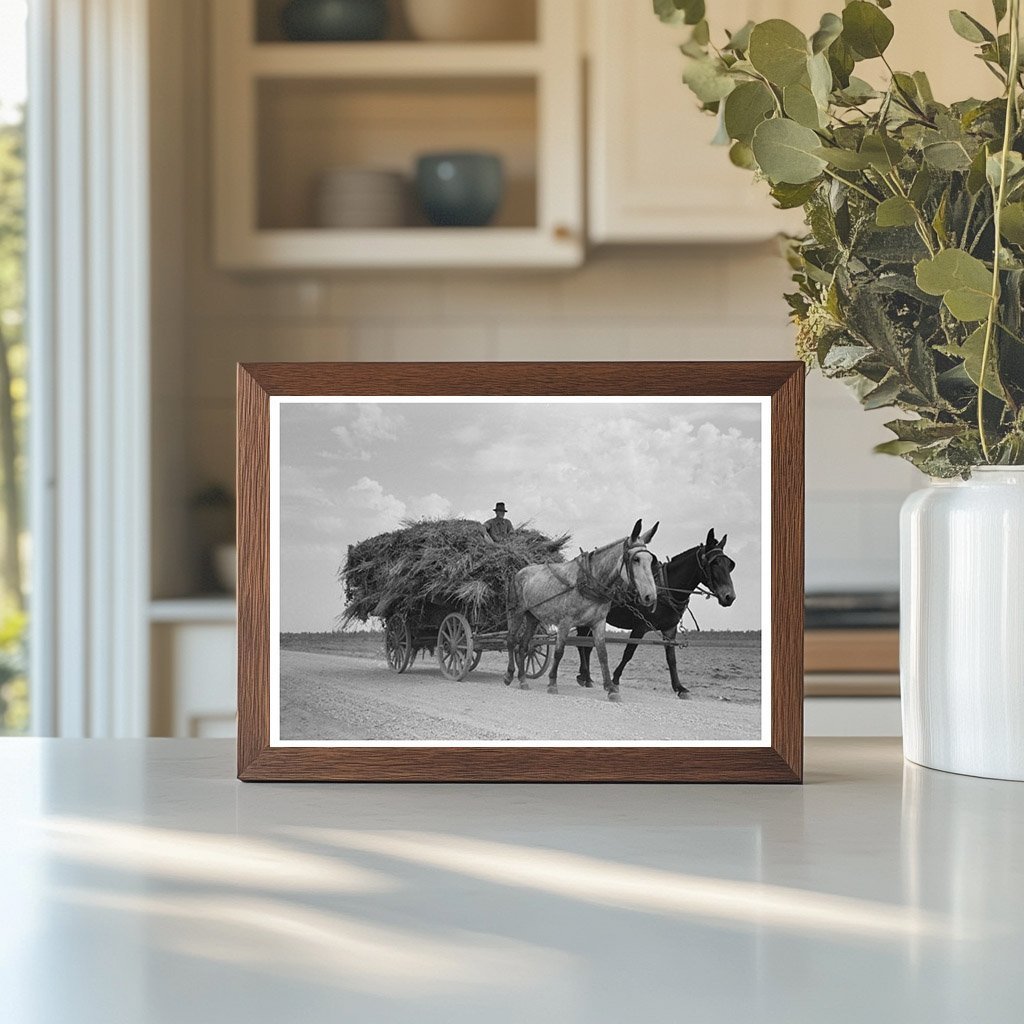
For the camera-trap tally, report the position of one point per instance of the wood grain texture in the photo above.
(781, 762)
(852, 650)
(252, 481)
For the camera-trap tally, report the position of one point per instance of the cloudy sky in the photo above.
(350, 470)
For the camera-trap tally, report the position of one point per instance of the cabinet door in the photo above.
(654, 176)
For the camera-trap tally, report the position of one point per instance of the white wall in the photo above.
(666, 303)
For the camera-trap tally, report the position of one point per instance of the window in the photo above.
(14, 549)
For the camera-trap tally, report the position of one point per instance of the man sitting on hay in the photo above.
(498, 529)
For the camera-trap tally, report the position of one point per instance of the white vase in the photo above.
(962, 624)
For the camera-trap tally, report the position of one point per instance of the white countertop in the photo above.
(143, 885)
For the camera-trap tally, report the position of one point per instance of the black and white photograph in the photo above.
(556, 571)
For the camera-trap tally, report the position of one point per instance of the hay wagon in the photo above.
(447, 633)
(440, 590)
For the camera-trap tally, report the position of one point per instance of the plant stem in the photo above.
(993, 309)
(856, 188)
(922, 225)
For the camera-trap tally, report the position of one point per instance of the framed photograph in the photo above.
(559, 572)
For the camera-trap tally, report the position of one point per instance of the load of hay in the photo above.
(440, 562)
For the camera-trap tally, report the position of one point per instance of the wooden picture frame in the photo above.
(778, 760)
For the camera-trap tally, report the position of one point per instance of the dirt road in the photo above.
(338, 696)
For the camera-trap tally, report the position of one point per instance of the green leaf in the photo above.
(866, 29)
(742, 155)
(789, 197)
(963, 281)
(883, 153)
(1012, 224)
(820, 76)
(906, 90)
(896, 212)
(994, 168)
(785, 152)
(924, 87)
(921, 185)
(969, 28)
(844, 159)
(739, 41)
(745, 108)
(947, 156)
(778, 50)
(858, 91)
(895, 447)
(885, 394)
(971, 352)
(694, 11)
(999, 7)
(923, 431)
(676, 12)
(976, 173)
(841, 60)
(829, 30)
(708, 80)
(939, 220)
(800, 105)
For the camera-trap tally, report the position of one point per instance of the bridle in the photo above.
(628, 549)
(705, 560)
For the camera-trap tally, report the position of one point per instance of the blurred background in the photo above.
(255, 180)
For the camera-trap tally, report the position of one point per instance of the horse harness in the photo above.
(590, 586)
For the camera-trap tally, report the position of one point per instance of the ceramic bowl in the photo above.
(359, 197)
(334, 20)
(471, 20)
(460, 189)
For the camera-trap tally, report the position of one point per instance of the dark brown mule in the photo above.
(705, 566)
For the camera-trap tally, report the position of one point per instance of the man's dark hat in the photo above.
(500, 507)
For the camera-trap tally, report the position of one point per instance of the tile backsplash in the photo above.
(698, 302)
(717, 302)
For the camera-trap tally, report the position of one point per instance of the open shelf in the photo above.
(405, 248)
(521, 16)
(286, 114)
(393, 60)
(308, 127)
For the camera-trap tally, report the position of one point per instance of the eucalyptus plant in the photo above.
(909, 280)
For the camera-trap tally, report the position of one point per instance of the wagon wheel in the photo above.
(538, 660)
(476, 659)
(455, 647)
(397, 643)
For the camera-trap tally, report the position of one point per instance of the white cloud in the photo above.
(369, 494)
(588, 470)
(470, 433)
(430, 506)
(364, 424)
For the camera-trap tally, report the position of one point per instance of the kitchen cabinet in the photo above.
(192, 649)
(653, 175)
(287, 113)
